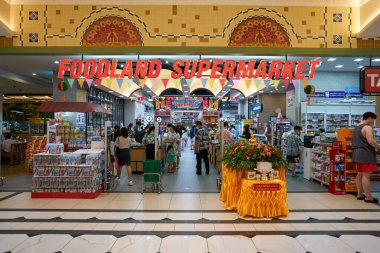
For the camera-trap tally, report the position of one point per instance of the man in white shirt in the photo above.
(7, 144)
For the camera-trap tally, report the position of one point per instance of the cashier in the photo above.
(7, 144)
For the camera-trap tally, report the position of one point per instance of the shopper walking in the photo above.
(227, 135)
(201, 148)
(148, 140)
(172, 138)
(293, 143)
(364, 146)
(123, 144)
(246, 132)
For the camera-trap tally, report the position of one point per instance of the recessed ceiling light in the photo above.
(122, 65)
(360, 67)
(283, 86)
(46, 96)
(121, 96)
(261, 91)
(111, 91)
(358, 59)
(34, 74)
(339, 66)
(56, 62)
(166, 62)
(24, 96)
(376, 60)
(271, 91)
(331, 59)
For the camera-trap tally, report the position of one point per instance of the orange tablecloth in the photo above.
(236, 193)
(262, 203)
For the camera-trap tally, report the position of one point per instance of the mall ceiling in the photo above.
(33, 74)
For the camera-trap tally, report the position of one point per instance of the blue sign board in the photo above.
(355, 95)
(352, 90)
(335, 94)
(317, 95)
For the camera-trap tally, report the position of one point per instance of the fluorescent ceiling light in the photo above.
(56, 62)
(339, 66)
(34, 74)
(376, 60)
(331, 59)
(358, 59)
(121, 96)
(261, 91)
(360, 67)
(122, 65)
(271, 91)
(111, 91)
(166, 62)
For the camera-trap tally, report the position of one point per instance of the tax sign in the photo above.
(370, 81)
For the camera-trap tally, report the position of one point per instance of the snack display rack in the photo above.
(345, 136)
(320, 167)
(35, 145)
(68, 175)
(337, 169)
(211, 116)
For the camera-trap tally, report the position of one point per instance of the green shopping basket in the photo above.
(152, 174)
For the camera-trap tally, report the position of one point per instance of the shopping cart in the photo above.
(152, 175)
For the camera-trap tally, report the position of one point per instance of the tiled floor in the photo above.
(185, 223)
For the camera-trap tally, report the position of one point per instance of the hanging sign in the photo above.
(335, 94)
(370, 81)
(148, 118)
(141, 69)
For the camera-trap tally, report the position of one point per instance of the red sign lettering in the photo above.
(372, 80)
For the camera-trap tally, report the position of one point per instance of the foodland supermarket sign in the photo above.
(370, 81)
(264, 69)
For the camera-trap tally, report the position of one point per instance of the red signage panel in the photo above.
(370, 80)
(266, 187)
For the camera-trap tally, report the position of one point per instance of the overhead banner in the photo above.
(251, 69)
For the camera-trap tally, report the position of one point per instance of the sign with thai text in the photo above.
(266, 187)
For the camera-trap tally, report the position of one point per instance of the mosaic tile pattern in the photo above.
(65, 25)
(33, 15)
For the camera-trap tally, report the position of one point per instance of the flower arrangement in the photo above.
(241, 156)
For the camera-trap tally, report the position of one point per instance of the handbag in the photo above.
(117, 149)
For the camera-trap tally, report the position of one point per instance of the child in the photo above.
(171, 159)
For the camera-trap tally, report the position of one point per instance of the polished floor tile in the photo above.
(78, 215)
(323, 244)
(224, 227)
(278, 244)
(9, 242)
(220, 216)
(204, 227)
(137, 244)
(185, 216)
(230, 244)
(149, 216)
(144, 226)
(184, 244)
(42, 215)
(85, 226)
(164, 227)
(184, 227)
(244, 227)
(124, 227)
(114, 215)
(90, 244)
(362, 243)
(43, 244)
(12, 215)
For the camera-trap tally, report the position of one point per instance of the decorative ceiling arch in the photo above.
(259, 31)
(112, 31)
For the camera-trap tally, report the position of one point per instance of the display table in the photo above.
(237, 194)
(262, 199)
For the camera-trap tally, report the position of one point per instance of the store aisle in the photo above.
(184, 180)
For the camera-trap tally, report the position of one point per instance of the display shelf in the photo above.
(335, 121)
(320, 154)
(68, 175)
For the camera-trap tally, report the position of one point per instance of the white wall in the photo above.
(129, 112)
